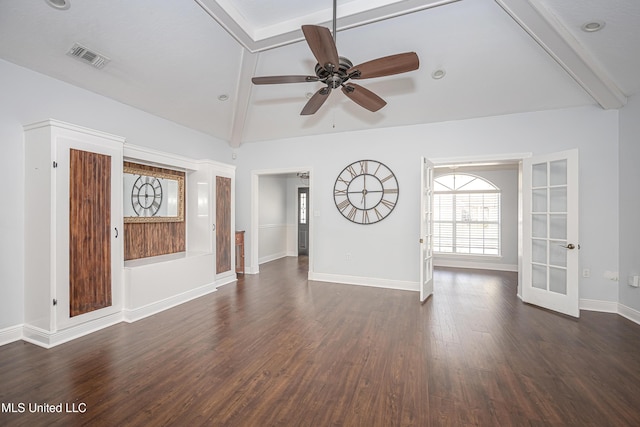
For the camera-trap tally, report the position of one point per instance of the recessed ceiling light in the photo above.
(438, 74)
(593, 26)
(59, 4)
(223, 97)
(309, 95)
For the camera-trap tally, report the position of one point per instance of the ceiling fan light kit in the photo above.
(335, 71)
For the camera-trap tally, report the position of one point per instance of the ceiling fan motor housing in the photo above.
(337, 77)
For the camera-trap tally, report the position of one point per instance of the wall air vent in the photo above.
(90, 57)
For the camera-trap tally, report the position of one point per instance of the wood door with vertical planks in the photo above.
(89, 232)
(223, 224)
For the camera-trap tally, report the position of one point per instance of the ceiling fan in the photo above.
(337, 71)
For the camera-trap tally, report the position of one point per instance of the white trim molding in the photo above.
(611, 307)
(629, 313)
(352, 14)
(597, 305)
(272, 257)
(461, 263)
(402, 285)
(133, 315)
(10, 334)
(46, 339)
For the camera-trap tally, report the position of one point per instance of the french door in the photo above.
(426, 229)
(550, 231)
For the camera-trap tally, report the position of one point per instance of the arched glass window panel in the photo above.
(444, 183)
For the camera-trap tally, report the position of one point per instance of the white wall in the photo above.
(630, 201)
(388, 250)
(28, 97)
(506, 179)
(272, 217)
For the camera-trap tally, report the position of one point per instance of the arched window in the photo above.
(466, 215)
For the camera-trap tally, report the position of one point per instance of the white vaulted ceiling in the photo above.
(175, 58)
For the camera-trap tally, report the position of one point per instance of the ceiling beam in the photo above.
(352, 14)
(243, 96)
(563, 47)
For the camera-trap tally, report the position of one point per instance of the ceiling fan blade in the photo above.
(363, 97)
(316, 101)
(322, 45)
(386, 66)
(273, 80)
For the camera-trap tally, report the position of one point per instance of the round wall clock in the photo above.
(366, 192)
(146, 195)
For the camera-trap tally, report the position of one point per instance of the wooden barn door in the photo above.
(89, 232)
(223, 224)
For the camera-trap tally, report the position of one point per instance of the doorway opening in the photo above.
(547, 227)
(281, 220)
(505, 171)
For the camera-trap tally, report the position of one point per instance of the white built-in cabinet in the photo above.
(156, 283)
(52, 234)
(207, 229)
(76, 280)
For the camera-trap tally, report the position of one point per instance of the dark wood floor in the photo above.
(277, 350)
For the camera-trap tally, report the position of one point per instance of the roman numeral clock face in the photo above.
(146, 195)
(366, 192)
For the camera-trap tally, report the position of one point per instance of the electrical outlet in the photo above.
(634, 281)
(347, 256)
(586, 273)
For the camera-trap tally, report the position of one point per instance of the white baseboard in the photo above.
(365, 281)
(10, 334)
(226, 279)
(132, 315)
(47, 339)
(454, 263)
(629, 313)
(272, 257)
(597, 305)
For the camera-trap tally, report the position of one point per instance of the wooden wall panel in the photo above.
(223, 224)
(143, 240)
(89, 232)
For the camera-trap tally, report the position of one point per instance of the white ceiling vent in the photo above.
(90, 57)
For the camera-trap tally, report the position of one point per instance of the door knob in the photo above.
(570, 246)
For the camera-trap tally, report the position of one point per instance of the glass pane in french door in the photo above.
(549, 226)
